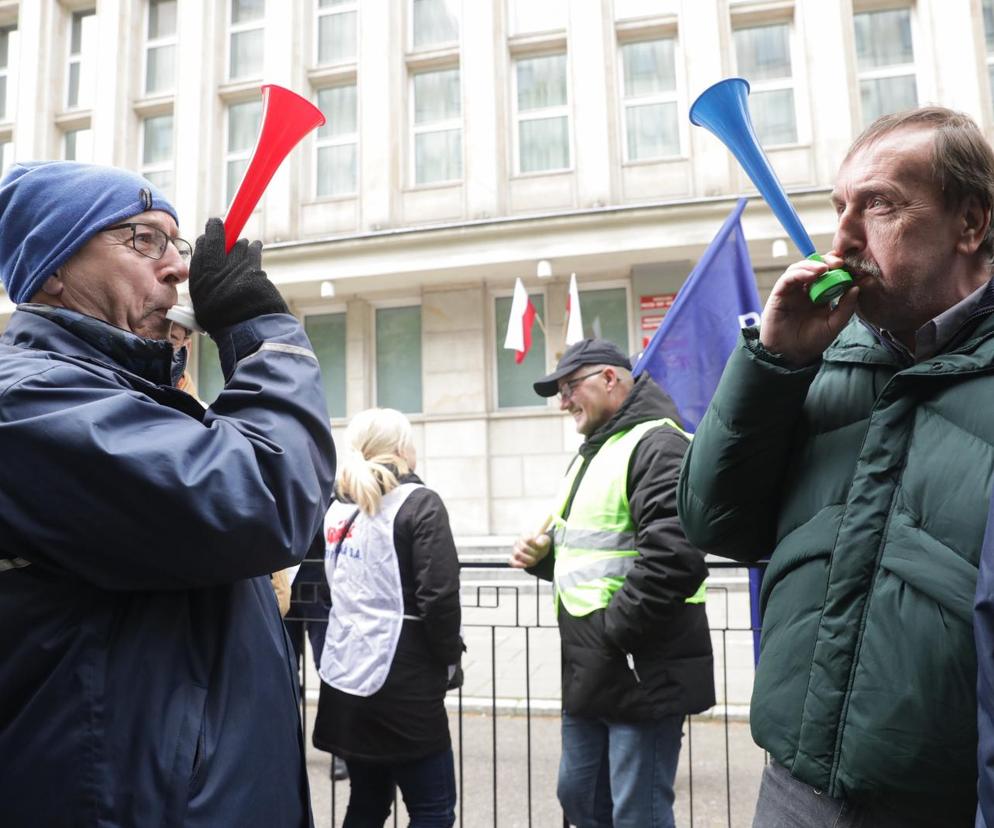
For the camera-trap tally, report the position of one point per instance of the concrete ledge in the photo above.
(553, 707)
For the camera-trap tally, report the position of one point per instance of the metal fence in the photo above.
(504, 720)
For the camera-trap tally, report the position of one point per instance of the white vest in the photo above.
(367, 602)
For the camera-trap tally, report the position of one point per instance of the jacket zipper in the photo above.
(631, 666)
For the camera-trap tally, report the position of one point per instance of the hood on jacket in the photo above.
(646, 401)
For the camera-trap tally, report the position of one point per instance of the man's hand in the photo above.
(794, 326)
(229, 288)
(528, 551)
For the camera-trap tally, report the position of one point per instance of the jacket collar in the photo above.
(67, 332)
(646, 401)
(860, 343)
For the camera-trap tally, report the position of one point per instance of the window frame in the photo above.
(231, 29)
(330, 310)
(560, 110)
(895, 70)
(6, 140)
(336, 141)
(676, 97)
(384, 304)
(631, 316)
(433, 47)
(351, 6)
(239, 155)
(160, 166)
(793, 82)
(513, 31)
(72, 129)
(434, 126)
(988, 53)
(79, 59)
(494, 405)
(8, 74)
(155, 43)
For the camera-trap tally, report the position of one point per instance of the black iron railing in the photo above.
(511, 699)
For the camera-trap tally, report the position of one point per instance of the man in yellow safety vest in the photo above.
(629, 593)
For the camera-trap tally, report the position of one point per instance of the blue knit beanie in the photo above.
(50, 209)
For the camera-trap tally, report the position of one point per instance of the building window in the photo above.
(398, 358)
(627, 9)
(605, 315)
(514, 380)
(77, 145)
(160, 47)
(210, 379)
(885, 61)
(327, 334)
(337, 35)
(157, 152)
(650, 102)
(542, 114)
(762, 54)
(8, 40)
(988, 11)
(529, 16)
(336, 142)
(246, 38)
(80, 80)
(6, 154)
(437, 126)
(434, 23)
(243, 127)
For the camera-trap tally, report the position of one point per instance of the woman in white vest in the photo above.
(393, 632)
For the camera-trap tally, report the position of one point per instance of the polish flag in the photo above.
(574, 325)
(519, 324)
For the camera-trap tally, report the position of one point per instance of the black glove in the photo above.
(229, 288)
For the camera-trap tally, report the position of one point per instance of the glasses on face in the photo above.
(151, 241)
(568, 388)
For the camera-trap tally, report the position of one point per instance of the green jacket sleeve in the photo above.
(730, 485)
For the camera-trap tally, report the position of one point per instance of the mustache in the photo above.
(859, 267)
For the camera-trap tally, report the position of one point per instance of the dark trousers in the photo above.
(428, 786)
(786, 802)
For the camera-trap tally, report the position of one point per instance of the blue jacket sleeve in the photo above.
(127, 493)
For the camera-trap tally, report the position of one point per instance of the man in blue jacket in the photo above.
(145, 676)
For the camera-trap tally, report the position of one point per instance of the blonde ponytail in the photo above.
(378, 450)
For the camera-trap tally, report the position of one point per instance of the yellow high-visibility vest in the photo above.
(595, 545)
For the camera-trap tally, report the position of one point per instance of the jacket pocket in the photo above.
(190, 753)
(931, 567)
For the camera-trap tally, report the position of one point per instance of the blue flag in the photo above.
(689, 350)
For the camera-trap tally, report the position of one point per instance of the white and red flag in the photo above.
(574, 321)
(519, 323)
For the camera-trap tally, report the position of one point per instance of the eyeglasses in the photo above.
(151, 241)
(568, 388)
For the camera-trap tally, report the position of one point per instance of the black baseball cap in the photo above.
(584, 352)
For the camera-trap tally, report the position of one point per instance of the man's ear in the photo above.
(53, 285)
(976, 220)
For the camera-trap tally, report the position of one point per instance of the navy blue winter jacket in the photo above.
(145, 676)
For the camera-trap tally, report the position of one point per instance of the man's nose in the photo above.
(173, 269)
(563, 402)
(849, 233)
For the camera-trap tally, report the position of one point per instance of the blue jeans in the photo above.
(619, 774)
(786, 802)
(428, 786)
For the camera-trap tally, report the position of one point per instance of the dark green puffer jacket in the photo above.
(869, 485)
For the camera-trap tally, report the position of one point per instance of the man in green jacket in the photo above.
(629, 592)
(854, 445)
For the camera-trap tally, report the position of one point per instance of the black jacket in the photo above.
(405, 719)
(648, 618)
